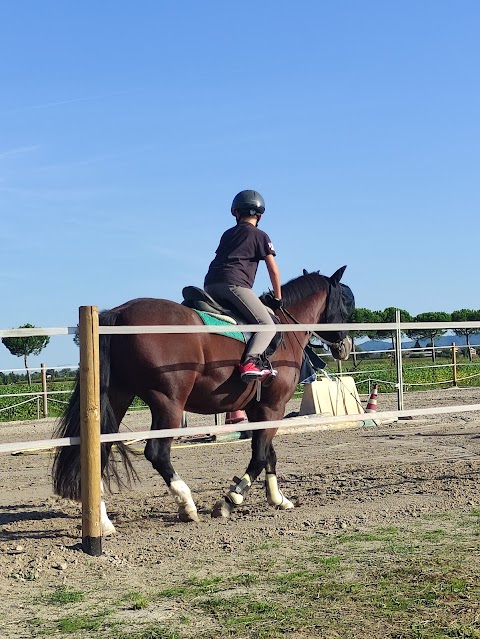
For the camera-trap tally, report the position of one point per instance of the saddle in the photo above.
(199, 300)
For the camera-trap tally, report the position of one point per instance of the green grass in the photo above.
(415, 371)
(136, 600)
(420, 581)
(417, 580)
(62, 596)
(418, 374)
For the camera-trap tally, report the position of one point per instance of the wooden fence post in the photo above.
(44, 390)
(90, 470)
(454, 364)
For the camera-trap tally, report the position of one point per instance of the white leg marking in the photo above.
(187, 511)
(107, 527)
(275, 497)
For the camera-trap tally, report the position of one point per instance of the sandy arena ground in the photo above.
(345, 478)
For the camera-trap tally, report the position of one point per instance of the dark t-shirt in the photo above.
(238, 254)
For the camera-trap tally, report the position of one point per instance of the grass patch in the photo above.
(63, 596)
(76, 623)
(136, 600)
(152, 631)
(419, 580)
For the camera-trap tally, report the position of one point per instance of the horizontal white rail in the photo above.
(231, 328)
(191, 431)
(38, 393)
(73, 367)
(29, 332)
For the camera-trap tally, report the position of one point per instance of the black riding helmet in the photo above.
(248, 203)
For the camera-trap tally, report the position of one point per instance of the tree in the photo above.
(25, 346)
(429, 333)
(362, 316)
(388, 316)
(466, 315)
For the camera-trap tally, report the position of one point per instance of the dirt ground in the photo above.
(343, 478)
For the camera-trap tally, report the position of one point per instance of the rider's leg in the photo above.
(250, 307)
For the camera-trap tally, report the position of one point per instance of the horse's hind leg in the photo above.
(263, 458)
(119, 403)
(157, 451)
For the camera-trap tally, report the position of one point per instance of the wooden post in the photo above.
(454, 364)
(398, 360)
(90, 470)
(44, 390)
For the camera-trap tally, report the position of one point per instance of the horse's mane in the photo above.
(301, 287)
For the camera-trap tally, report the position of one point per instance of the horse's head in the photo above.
(339, 310)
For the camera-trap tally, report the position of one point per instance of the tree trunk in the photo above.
(29, 378)
(468, 347)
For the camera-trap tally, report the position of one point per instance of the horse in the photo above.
(197, 373)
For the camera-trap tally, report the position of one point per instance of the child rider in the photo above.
(232, 272)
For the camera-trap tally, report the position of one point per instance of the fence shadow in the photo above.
(28, 513)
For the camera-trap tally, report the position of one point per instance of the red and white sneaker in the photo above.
(251, 370)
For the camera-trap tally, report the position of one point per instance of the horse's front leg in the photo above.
(263, 458)
(275, 497)
(157, 451)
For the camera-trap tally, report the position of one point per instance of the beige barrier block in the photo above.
(331, 397)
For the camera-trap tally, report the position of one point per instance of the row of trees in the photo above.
(364, 315)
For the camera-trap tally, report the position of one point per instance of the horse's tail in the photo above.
(66, 464)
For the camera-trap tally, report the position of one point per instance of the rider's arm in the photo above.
(274, 276)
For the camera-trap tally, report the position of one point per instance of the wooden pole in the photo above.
(44, 390)
(90, 430)
(398, 358)
(454, 364)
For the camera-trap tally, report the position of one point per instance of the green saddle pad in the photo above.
(211, 320)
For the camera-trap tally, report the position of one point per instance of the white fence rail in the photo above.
(233, 328)
(45, 394)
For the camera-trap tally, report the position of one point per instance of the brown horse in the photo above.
(197, 373)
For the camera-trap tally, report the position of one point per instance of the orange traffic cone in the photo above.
(236, 417)
(372, 402)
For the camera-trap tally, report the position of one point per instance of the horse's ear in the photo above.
(337, 276)
(305, 272)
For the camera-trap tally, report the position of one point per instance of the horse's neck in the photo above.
(310, 310)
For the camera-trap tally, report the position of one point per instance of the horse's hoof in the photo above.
(285, 505)
(108, 529)
(222, 509)
(188, 515)
(280, 502)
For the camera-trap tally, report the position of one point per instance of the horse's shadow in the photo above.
(26, 513)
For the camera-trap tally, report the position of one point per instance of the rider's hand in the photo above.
(277, 303)
(274, 302)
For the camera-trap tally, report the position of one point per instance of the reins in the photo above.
(287, 313)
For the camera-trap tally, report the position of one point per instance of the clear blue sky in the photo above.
(127, 127)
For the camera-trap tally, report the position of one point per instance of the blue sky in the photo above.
(126, 128)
